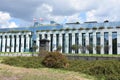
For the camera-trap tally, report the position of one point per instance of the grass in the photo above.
(17, 73)
(103, 55)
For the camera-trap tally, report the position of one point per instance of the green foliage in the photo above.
(102, 69)
(74, 47)
(89, 47)
(55, 60)
(81, 28)
(27, 62)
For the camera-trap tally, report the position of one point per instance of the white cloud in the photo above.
(59, 10)
(4, 21)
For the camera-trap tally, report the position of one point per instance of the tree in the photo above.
(74, 47)
(98, 48)
(89, 48)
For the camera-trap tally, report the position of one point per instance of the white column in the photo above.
(27, 42)
(94, 42)
(3, 44)
(102, 42)
(13, 40)
(118, 42)
(22, 43)
(80, 42)
(49, 41)
(54, 42)
(87, 41)
(110, 42)
(67, 42)
(17, 43)
(0, 44)
(73, 41)
(60, 41)
(43, 36)
(8, 43)
(37, 42)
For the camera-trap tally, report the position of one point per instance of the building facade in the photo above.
(92, 38)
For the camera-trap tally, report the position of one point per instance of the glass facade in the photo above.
(63, 43)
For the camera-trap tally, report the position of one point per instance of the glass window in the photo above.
(51, 45)
(46, 36)
(76, 41)
(83, 42)
(63, 43)
(90, 43)
(57, 40)
(98, 46)
(70, 42)
(106, 43)
(114, 42)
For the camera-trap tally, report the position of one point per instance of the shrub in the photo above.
(81, 28)
(101, 27)
(74, 47)
(55, 60)
(94, 28)
(101, 69)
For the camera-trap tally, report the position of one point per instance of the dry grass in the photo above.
(17, 73)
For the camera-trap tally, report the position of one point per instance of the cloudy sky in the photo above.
(17, 13)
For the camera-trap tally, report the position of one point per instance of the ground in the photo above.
(16, 73)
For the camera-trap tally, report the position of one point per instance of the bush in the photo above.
(27, 62)
(55, 60)
(102, 69)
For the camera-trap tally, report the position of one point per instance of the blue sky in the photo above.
(21, 12)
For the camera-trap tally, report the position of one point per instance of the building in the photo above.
(91, 37)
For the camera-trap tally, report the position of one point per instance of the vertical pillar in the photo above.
(87, 42)
(8, 43)
(27, 42)
(60, 41)
(67, 43)
(73, 40)
(0, 44)
(54, 42)
(3, 44)
(118, 43)
(80, 42)
(102, 42)
(22, 43)
(12, 48)
(37, 42)
(17, 43)
(49, 41)
(110, 42)
(43, 36)
(94, 42)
